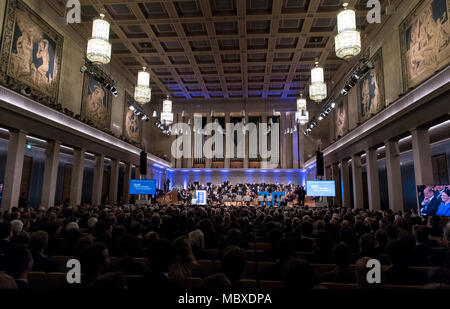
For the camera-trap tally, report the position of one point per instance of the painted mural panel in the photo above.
(425, 36)
(371, 90)
(341, 118)
(96, 103)
(131, 122)
(31, 52)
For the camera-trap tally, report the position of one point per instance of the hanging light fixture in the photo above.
(143, 92)
(99, 48)
(348, 40)
(167, 115)
(302, 115)
(317, 89)
(301, 103)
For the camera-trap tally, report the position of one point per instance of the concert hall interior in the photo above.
(216, 144)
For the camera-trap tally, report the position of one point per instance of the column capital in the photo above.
(13, 130)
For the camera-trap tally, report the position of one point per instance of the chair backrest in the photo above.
(262, 246)
(323, 268)
(250, 255)
(263, 265)
(403, 287)
(339, 286)
(61, 262)
(208, 267)
(302, 254)
(211, 254)
(190, 283)
(271, 285)
(113, 260)
(250, 270)
(37, 279)
(249, 283)
(56, 280)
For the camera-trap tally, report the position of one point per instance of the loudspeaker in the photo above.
(319, 164)
(143, 165)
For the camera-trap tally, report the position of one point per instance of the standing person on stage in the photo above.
(301, 193)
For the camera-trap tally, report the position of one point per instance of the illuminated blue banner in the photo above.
(142, 186)
(320, 188)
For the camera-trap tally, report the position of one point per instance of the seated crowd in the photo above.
(161, 246)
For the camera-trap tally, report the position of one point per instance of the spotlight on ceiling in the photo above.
(333, 105)
(132, 108)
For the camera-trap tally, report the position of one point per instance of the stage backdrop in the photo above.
(30, 53)
(183, 177)
(424, 37)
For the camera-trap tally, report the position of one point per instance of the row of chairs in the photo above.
(209, 267)
(41, 280)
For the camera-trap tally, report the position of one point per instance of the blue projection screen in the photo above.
(142, 186)
(320, 188)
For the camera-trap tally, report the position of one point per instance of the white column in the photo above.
(50, 174)
(114, 182)
(423, 167)
(76, 187)
(179, 161)
(150, 171)
(263, 137)
(227, 141)
(394, 176)
(172, 157)
(373, 180)
(246, 136)
(207, 160)
(301, 143)
(126, 183)
(337, 185)
(358, 197)
(98, 179)
(295, 140)
(289, 144)
(283, 150)
(13, 170)
(190, 161)
(345, 176)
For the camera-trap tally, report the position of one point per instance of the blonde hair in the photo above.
(184, 261)
(7, 282)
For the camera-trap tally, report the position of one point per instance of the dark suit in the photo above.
(338, 275)
(42, 263)
(431, 207)
(4, 247)
(22, 285)
(405, 276)
(155, 281)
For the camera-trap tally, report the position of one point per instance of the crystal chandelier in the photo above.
(348, 40)
(143, 92)
(167, 115)
(317, 89)
(99, 48)
(302, 115)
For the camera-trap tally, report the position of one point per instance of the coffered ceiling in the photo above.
(221, 49)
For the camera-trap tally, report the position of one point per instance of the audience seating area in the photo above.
(190, 247)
